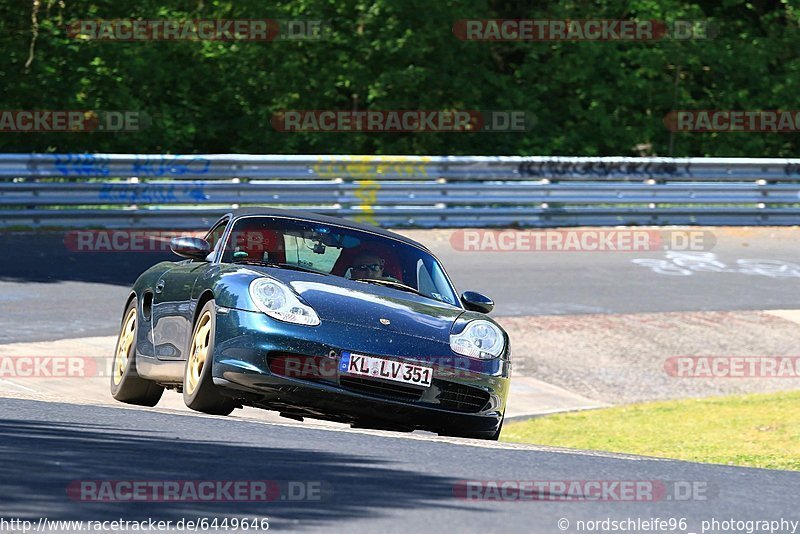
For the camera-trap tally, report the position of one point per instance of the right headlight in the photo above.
(280, 302)
(479, 339)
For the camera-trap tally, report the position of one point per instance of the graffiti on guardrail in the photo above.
(169, 166)
(791, 168)
(557, 167)
(688, 263)
(367, 192)
(144, 165)
(153, 193)
(81, 164)
(373, 166)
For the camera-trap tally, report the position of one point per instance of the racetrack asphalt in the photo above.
(370, 481)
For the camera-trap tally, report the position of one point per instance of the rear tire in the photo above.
(126, 384)
(199, 391)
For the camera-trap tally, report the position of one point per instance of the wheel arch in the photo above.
(202, 300)
(128, 301)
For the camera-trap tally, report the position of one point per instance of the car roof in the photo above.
(325, 219)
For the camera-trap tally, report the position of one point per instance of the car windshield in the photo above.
(338, 251)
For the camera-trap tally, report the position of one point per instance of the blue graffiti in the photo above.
(791, 168)
(152, 193)
(139, 194)
(169, 166)
(195, 192)
(81, 164)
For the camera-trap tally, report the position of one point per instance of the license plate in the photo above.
(408, 373)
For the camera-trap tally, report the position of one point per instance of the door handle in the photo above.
(160, 286)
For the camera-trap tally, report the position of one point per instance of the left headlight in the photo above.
(480, 339)
(280, 302)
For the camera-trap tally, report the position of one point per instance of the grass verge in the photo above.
(751, 430)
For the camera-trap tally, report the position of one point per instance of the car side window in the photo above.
(214, 236)
(424, 281)
(435, 278)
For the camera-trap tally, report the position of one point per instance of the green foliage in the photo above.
(589, 98)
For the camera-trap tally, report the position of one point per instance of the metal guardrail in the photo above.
(164, 191)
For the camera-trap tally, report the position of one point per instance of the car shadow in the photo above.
(41, 460)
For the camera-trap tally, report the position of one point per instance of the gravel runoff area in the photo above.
(621, 359)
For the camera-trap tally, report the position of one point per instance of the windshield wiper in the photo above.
(291, 266)
(389, 283)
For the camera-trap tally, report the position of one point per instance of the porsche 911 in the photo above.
(314, 316)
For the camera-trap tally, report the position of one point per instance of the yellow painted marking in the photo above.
(367, 192)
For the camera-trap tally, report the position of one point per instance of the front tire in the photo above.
(126, 384)
(199, 392)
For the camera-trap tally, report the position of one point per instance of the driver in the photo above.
(369, 266)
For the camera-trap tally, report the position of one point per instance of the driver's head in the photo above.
(367, 265)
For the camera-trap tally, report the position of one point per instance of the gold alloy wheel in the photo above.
(198, 353)
(125, 345)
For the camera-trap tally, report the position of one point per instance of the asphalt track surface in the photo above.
(48, 292)
(370, 482)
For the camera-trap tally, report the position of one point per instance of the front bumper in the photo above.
(466, 395)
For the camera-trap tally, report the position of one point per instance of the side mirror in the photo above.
(477, 302)
(190, 247)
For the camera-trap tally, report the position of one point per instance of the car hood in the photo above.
(363, 304)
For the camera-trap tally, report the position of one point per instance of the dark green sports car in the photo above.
(314, 316)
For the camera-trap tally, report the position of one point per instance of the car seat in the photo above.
(258, 243)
